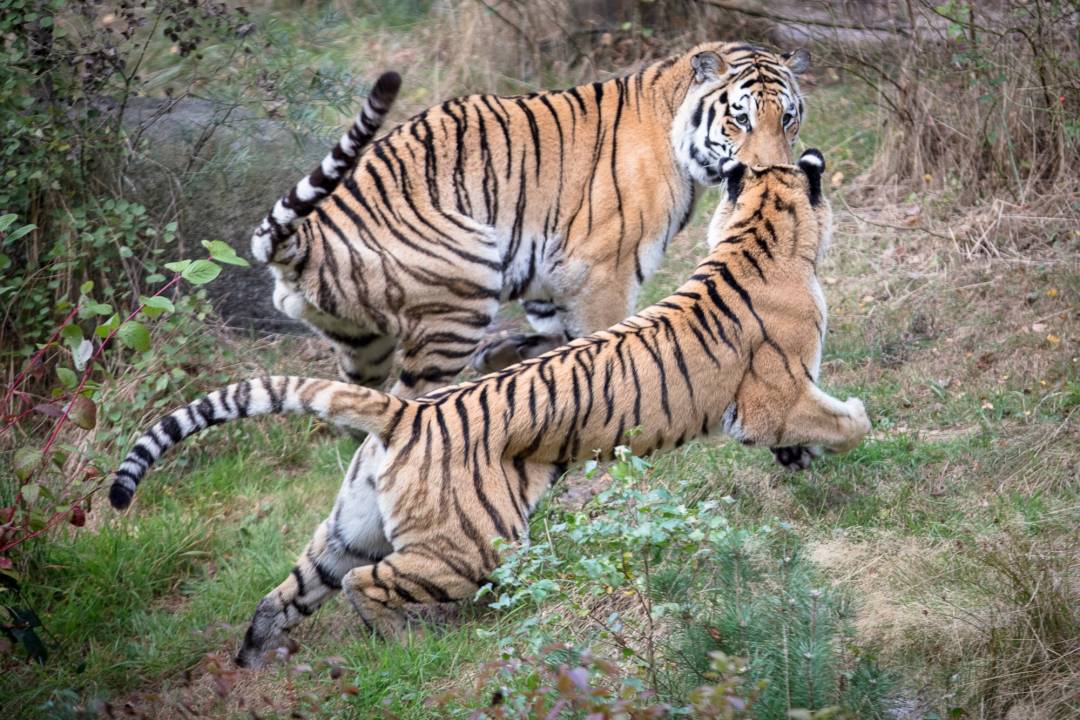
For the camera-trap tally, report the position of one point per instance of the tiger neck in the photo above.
(665, 84)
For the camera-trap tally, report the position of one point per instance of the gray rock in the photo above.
(218, 169)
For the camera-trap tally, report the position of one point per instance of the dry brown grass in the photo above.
(998, 612)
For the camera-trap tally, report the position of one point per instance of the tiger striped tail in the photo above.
(350, 405)
(267, 244)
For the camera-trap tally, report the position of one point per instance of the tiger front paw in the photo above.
(857, 426)
(797, 457)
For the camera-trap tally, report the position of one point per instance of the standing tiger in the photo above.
(565, 200)
(737, 348)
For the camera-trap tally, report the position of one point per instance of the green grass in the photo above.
(138, 599)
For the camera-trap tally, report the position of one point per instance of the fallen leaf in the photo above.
(837, 179)
(1038, 327)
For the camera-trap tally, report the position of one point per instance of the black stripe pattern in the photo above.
(280, 223)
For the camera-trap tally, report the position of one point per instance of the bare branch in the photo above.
(776, 17)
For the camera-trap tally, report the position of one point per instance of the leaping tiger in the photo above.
(565, 200)
(737, 347)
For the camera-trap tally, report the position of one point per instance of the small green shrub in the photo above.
(667, 588)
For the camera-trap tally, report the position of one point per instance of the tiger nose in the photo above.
(766, 148)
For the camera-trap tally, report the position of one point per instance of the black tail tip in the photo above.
(120, 496)
(812, 163)
(388, 84)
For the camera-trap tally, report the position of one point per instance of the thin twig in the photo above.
(913, 228)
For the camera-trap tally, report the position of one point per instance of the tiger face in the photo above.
(744, 104)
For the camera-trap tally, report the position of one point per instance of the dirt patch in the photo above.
(215, 688)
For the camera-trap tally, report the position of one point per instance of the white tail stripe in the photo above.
(325, 178)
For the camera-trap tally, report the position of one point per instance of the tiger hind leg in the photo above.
(351, 536)
(380, 591)
(364, 358)
(501, 352)
(441, 348)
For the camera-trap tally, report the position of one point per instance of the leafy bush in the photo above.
(54, 482)
(69, 71)
(86, 277)
(562, 681)
(668, 589)
(989, 92)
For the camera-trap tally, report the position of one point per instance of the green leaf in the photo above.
(103, 330)
(25, 462)
(36, 520)
(91, 308)
(155, 278)
(34, 647)
(223, 252)
(6, 220)
(72, 335)
(24, 230)
(67, 377)
(179, 266)
(156, 305)
(201, 272)
(135, 335)
(5, 262)
(86, 287)
(30, 493)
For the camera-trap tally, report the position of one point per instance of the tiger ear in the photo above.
(797, 61)
(732, 171)
(812, 162)
(707, 66)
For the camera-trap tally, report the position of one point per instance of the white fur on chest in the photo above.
(823, 313)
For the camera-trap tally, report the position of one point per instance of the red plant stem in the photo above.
(16, 419)
(90, 366)
(60, 422)
(49, 524)
(36, 357)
